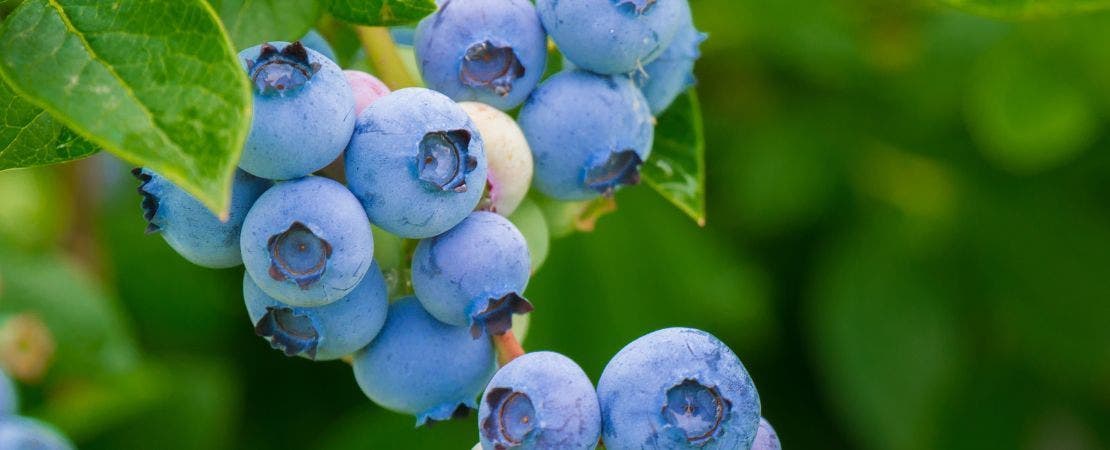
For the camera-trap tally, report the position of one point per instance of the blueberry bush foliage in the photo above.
(907, 238)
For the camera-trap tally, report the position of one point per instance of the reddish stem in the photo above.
(508, 348)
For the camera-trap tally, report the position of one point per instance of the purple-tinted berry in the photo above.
(765, 437)
(589, 134)
(192, 229)
(307, 242)
(25, 433)
(474, 274)
(303, 111)
(677, 388)
(540, 400)
(323, 332)
(492, 51)
(416, 162)
(673, 71)
(612, 36)
(418, 365)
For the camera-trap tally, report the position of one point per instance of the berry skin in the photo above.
(303, 111)
(529, 219)
(540, 400)
(18, 432)
(677, 388)
(9, 398)
(612, 36)
(324, 332)
(589, 134)
(418, 365)
(307, 242)
(366, 88)
(416, 162)
(491, 51)
(766, 438)
(315, 41)
(508, 157)
(474, 275)
(673, 72)
(189, 227)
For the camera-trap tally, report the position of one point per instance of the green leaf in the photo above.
(380, 12)
(156, 83)
(1029, 9)
(30, 137)
(676, 168)
(252, 22)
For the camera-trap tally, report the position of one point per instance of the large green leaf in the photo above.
(252, 22)
(156, 83)
(1029, 9)
(380, 12)
(676, 168)
(30, 137)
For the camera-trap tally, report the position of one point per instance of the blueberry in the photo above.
(303, 111)
(529, 219)
(416, 162)
(492, 51)
(418, 365)
(612, 36)
(766, 438)
(508, 157)
(366, 88)
(677, 388)
(189, 227)
(589, 134)
(315, 41)
(307, 242)
(324, 332)
(540, 400)
(673, 72)
(20, 433)
(474, 275)
(9, 397)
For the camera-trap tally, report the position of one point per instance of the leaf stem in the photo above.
(383, 57)
(508, 348)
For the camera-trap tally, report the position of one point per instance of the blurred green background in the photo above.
(908, 245)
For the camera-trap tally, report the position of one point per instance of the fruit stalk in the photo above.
(508, 348)
(383, 57)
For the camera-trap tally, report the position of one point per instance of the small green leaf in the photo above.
(1029, 9)
(30, 137)
(676, 168)
(380, 12)
(250, 23)
(156, 83)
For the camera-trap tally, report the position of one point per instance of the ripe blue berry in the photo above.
(766, 438)
(307, 242)
(303, 111)
(9, 398)
(189, 227)
(612, 36)
(673, 71)
(474, 274)
(540, 400)
(508, 157)
(677, 388)
(416, 162)
(589, 134)
(492, 51)
(421, 366)
(324, 332)
(19, 433)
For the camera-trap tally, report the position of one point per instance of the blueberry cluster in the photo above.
(19, 432)
(442, 169)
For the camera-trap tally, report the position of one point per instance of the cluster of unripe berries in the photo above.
(19, 432)
(421, 166)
